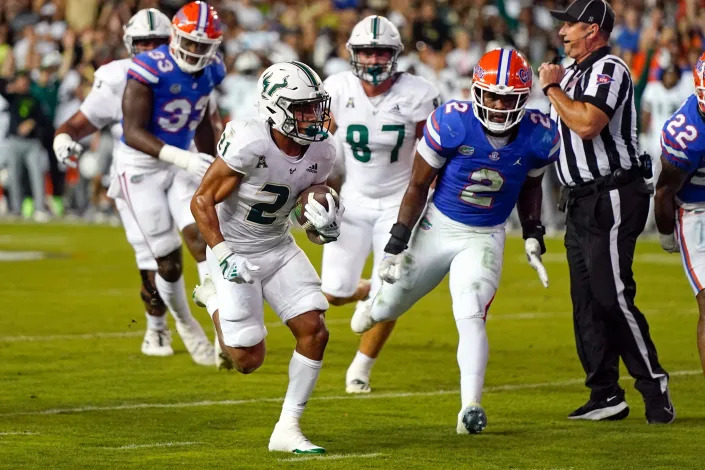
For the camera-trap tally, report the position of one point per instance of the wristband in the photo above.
(175, 156)
(399, 240)
(534, 229)
(221, 251)
(549, 86)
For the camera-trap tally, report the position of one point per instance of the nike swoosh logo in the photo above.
(611, 398)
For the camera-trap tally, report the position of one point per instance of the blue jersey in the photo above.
(479, 185)
(683, 145)
(180, 98)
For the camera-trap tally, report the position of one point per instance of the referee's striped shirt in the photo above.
(602, 80)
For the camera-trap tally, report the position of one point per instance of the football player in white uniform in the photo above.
(242, 209)
(146, 30)
(379, 114)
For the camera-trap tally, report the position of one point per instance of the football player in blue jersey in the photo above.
(487, 155)
(679, 202)
(165, 100)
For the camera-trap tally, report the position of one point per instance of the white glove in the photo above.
(390, 267)
(669, 243)
(325, 221)
(67, 150)
(195, 163)
(235, 268)
(533, 254)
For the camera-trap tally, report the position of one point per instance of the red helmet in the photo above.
(503, 72)
(699, 81)
(196, 35)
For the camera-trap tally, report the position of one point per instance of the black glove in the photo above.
(399, 240)
(534, 229)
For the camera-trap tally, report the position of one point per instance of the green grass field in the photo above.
(75, 392)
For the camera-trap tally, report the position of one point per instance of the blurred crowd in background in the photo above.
(49, 50)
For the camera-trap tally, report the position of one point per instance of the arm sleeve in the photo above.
(103, 105)
(144, 70)
(545, 141)
(429, 101)
(678, 155)
(444, 132)
(239, 149)
(604, 85)
(330, 162)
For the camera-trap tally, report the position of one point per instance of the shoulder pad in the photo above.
(446, 125)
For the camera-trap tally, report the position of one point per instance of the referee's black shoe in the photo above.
(611, 408)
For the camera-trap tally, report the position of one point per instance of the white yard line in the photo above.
(331, 457)
(19, 433)
(156, 444)
(371, 396)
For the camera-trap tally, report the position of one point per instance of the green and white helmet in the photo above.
(148, 23)
(374, 32)
(291, 94)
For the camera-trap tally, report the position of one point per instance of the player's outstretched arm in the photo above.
(669, 183)
(137, 110)
(422, 175)
(66, 146)
(217, 184)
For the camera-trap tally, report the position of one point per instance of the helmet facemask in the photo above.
(192, 53)
(306, 120)
(513, 112)
(373, 73)
(132, 43)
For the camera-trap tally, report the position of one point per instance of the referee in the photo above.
(607, 204)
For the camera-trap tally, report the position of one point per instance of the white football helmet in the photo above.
(290, 94)
(148, 23)
(374, 32)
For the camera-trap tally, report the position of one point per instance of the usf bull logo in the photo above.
(269, 88)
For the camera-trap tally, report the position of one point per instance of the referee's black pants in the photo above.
(601, 234)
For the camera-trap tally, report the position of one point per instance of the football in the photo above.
(317, 192)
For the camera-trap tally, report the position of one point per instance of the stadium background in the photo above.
(62, 42)
(76, 393)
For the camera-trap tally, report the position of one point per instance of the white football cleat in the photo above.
(362, 318)
(203, 292)
(157, 343)
(471, 419)
(196, 343)
(357, 386)
(287, 437)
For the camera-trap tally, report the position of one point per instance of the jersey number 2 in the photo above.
(688, 135)
(483, 180)
(258, 211)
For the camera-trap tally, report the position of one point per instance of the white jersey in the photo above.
(661, 103)
(255, 218)
(379, 133)
(103, 105)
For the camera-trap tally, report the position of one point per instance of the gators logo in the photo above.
(478, 72)
(525, 75)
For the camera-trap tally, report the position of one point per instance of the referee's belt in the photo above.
(612, 181)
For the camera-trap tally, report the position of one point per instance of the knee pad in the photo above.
(473, 301)
(244, 337)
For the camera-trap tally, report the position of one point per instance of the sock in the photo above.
(473, 352)
(174, 296)
(360, 367)
(303, 374)
(202, 270)
(156, 323)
